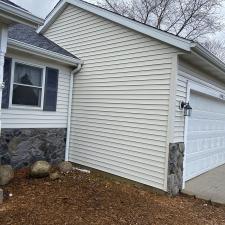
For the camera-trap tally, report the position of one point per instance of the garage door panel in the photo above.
(208, 153)
(204, 164)
(205, 147)
(197, 135)
(201, 115)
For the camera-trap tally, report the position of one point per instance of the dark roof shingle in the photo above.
(28, 35)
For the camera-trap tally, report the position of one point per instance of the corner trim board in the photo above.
(171, 112)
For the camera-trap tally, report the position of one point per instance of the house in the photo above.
(147, 105)
(35, 97)
(126, 117)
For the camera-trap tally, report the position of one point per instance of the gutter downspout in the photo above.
(73, 73)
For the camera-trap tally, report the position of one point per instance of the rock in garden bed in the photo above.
(54, 176)
(65, 167)
(40, 169)
(6, 174)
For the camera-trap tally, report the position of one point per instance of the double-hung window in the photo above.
(27, 85)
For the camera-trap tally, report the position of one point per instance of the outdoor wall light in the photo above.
(185, 106)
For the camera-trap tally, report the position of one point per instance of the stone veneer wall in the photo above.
(22, 147)
(175, 170)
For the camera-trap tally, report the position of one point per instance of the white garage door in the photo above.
(205, 147)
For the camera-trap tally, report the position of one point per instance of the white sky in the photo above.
(39, 7)
(42, 7)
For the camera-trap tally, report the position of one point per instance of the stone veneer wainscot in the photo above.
(176, 169)
(22, 147)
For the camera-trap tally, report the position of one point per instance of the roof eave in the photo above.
(203, 52)
(15, 14)
(20, 46)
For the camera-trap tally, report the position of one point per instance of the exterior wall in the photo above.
(187, 73)
(27, 118)
(121, 97)
(22, 147)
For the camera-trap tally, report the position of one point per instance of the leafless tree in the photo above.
(217, 47)
(192, 19)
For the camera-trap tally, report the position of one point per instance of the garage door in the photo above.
(205, 147)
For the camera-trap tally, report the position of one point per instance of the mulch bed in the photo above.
(88, 199)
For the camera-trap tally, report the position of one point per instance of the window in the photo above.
(27, 85)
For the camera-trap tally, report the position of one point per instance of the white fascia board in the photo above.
(20, 46)
(14, 13)
(134, 25)
(52, 16)
(207, 55)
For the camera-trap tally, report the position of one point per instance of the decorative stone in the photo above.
(6, 174)
(22, 147)
(40, 169)
(65, 167)
(1, 196)
(175, 168)
(54, 176)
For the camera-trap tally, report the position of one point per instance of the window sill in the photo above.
(31, 108)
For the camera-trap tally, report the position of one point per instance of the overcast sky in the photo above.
(42, 7)
(39, 7)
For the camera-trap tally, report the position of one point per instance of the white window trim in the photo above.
(26, 107)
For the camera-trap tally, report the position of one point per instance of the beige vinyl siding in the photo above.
(27, 118)
(187, 73)
(121, 97)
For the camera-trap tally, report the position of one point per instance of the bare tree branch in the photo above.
(217, 47)
(193, 19)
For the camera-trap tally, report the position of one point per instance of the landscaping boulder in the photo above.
(6, 174)
(65, 167)
(40, 169)
(54, 176)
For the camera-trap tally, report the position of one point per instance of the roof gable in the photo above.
(187, 45)
(135, 25)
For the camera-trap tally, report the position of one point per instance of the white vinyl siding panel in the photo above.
(121, 97)
(37, 118)
(187, 73)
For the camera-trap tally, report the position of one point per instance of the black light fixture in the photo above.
(186, 107)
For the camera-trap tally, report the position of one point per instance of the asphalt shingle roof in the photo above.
(28, 35)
